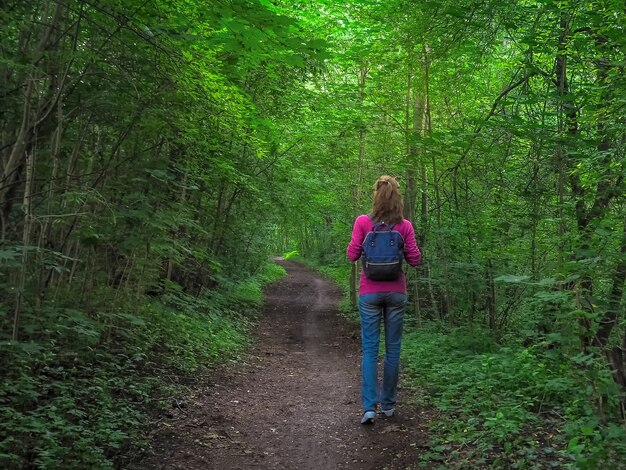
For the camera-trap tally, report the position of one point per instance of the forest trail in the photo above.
(295, 402)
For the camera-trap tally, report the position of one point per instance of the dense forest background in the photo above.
(156, 154)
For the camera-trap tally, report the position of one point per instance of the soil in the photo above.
(294, 403)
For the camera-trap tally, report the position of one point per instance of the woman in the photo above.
(382, 300)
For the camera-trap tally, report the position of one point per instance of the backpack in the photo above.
(383, 252)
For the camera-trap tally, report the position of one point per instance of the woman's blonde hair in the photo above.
(388, 205)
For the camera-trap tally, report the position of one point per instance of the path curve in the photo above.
(295, 403)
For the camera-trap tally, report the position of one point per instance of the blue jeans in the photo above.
(389, 307)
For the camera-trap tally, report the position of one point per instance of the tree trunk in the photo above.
(28, 217)
(354, 273)
(491, 298)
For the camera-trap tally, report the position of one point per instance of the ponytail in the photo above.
(388, 205)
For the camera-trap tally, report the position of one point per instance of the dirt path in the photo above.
(295, 404)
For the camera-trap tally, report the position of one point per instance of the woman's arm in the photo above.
(355, 247)
(412, 253)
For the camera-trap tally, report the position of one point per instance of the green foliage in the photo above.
(291, 254)
(139, 163)
(81, 397)
(523, 406)
(508, 118)
(71, 412)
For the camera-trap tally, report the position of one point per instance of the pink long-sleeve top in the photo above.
(362, 226)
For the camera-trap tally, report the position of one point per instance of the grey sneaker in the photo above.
(368, 417)
(388, 413)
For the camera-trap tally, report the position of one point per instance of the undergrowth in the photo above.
(80, 394)
(511, 406)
